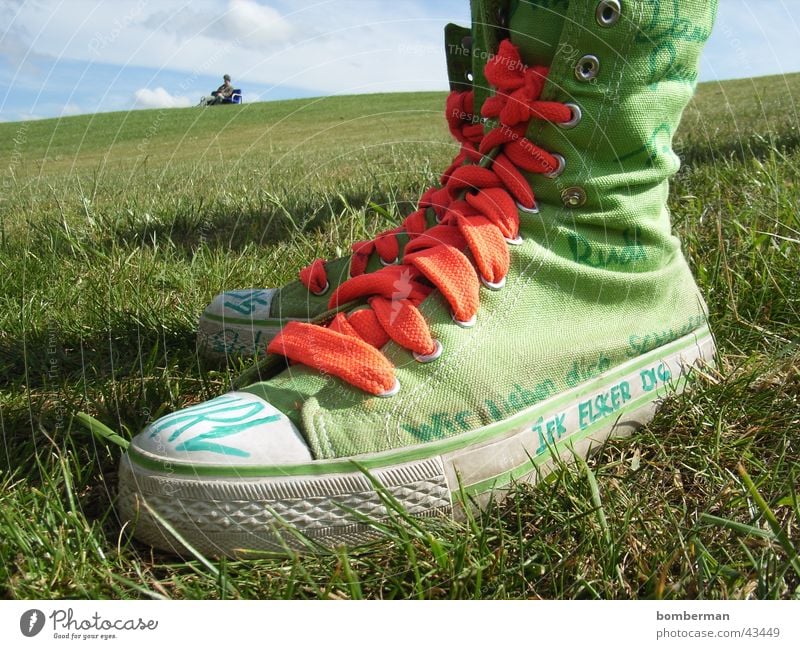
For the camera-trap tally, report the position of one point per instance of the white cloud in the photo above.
(255, 25)
(159, 98)
(246, 22)
(324, 46)
(71, 108)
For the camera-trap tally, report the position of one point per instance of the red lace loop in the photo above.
(314, 277)
(521, 87)
(452, 273)
(342, 354)
(477, 211)
(496, 205)
(465, 126)
(514, 181)
(364, 323)
(392, 281)
(403, 323)
(515, 107)
(488, 247)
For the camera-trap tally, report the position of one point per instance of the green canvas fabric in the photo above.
(536, 28)
(294, 300)
(590, 287)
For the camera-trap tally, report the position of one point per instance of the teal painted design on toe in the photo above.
(221, 417)
(248, 301)
(201, 442)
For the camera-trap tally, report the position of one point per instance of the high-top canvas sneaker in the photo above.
(550, 308)
(242, 322)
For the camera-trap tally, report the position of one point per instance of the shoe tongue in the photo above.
(535, 28)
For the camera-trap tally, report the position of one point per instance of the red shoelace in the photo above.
(466, 130)
(476, 210)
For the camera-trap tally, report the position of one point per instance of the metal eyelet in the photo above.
(493, 286)
(587, 68)
(388, 263)
(466, 324)
(608, 12)
(528, 210)
(516, 241)
(427, 358)
(575, 119)
(469, 76)
(323, 291)
(573, 196)
(559, 169)
(391, 391)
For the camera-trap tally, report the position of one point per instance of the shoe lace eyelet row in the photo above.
(485, 186)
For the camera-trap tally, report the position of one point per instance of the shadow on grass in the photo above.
(758, 146)
(123, 349)
(234, 227)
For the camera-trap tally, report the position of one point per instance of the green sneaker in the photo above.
(550, 309)
(242, 322)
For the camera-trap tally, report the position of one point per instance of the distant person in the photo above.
(220, 94)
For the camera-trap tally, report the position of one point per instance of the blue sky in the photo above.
(65, 57)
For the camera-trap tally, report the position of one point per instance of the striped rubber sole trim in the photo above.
(219, 337)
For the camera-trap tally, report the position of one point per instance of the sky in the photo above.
(67, 57)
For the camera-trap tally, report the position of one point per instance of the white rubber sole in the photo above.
(330, 503)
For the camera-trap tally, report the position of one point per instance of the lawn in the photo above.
(116, 229)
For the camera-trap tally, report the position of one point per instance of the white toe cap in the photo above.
(237, 428)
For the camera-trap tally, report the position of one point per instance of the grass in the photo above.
(116, 229)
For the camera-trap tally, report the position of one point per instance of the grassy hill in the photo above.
(116, 229)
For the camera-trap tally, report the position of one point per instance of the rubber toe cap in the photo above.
(237, 428)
